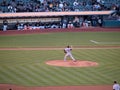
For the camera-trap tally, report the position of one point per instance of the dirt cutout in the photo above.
(17, 87)
(70, 63)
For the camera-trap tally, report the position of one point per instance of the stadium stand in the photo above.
(57, 5)
(54, 13)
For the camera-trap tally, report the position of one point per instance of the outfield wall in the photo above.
(111, 23)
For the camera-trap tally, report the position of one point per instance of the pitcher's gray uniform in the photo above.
(67, 51)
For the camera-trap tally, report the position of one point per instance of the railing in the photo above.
(52, 14)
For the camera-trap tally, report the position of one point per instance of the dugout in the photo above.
(45, 17)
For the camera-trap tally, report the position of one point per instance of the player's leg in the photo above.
(65, 57)
(72, 57)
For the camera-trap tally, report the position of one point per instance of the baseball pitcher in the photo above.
(67, 52)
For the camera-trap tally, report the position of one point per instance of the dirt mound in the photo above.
(70, 63)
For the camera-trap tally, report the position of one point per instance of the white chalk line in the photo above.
(96, 42)
(93, 41)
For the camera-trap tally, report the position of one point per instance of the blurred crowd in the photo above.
(56, 5)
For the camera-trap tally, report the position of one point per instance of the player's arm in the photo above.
(113, 88)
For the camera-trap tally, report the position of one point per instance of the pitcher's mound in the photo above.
(70, 63)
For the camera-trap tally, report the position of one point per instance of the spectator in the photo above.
(100, 21)
(16, 25)
(64, 23)
(37, 26)
(33, 27)
(96, 7)
(11, 9)
(41, 1)
(20, 26)
(5, 25)
(70, 25)
(88, 7)
(81, 21)
(13, 3)
(75, 3)
(85, 23)
(20, 6)
(1, 10)
(54, 25)
(4, 5)
(76, 22)
(41, 25)
(94, 20)
(101, 1)
(118, 18)
(26, 26)
(61, 6)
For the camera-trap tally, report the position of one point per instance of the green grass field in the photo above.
(28, 68)
(60, 39)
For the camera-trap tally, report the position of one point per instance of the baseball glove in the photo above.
(65, 51)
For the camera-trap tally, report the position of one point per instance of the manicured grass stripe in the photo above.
(41, 74)
(88, 76)
(11, 75)
(55, 75)
(113, 54)
(19, 74)
(80, 54)
(28, 74)
(4, 77)
(58, 39)
(68, 77)
(68, 74)
(49, 74)
(116, 72)
(64, 78)
(109, 74)
(110, 58)
(100, 53)
(89, 55)
(97, 75)
(47, 77)
(50, 77)
(22, 76)
(82, 76)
